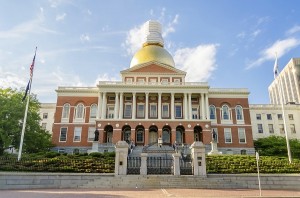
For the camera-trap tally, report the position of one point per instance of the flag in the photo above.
(32, 64)
(275, 70)
(26, 91)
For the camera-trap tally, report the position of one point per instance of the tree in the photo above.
(276, 146)
(11, 119)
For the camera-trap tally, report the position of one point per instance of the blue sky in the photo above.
(227, 43)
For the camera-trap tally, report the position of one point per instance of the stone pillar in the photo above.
(99, 111)
(202, 107)
(147, 105)
(103, 116)
(190, 106)
(172, 106)
(133, 105)
(116, 115)
(206, 106)
(143, 169)
(185, 106)
(121, 106)
(198, 156)
(176, 163)
(121, 158)
(159, 105)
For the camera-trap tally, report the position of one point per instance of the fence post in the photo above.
(121, 158)
(176, 165)
(143, 169)
(198, 156)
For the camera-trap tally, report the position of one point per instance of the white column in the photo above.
(172, 106)
(104, 105)
(206, 106)
(159, 105)
(147, 105)
(133, 105)
(121, 106)
(185, 106)
(190, 106)
(99, 105)
(116, 115)
(202, 107)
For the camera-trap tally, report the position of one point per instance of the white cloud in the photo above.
(241, 35)
(198, 62)
(60, 17)
(104, 77)
(280, 47)
(84, 37)
(170, 27)
(256, 33)
(293, 30)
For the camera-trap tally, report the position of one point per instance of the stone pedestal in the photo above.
(95, 147)
(121, 158)
(214, 149)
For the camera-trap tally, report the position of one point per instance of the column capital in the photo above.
(147, 93)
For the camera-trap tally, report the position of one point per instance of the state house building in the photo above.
(152, 101)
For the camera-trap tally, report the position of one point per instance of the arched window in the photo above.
(79, 111)
(225, 112)
(179, 135)
(239, 112)
(93, 111)
(212, 112)
(140, 135)
(66, 111)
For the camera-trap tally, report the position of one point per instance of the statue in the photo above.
(214, 136)
(96, 135)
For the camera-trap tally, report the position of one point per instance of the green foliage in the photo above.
(11, 118)
(276, 146)
(234, 164)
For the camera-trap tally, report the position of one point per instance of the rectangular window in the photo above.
(91, 134)
(77, 134)
(227, 135)
(242, 135)
(153, 111)
(194, 113)
(165, 110)
(44, 125)
(279, 116)
(260, 128)
(271, 128)
(281, 128)
(110, 112)
(293, 130)
(269, 116)
(140, 110)
(45, 115)
(291, 117)
(178, 111)
(63, 134)
(127, 111)
(258, 116)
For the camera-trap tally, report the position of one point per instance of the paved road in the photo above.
(143, 193)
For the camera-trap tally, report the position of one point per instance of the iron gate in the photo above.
(133, 165)
(159, 166)
(186, 166)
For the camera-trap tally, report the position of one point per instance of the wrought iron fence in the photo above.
(186, 166)
(159, 165)
(133, 165)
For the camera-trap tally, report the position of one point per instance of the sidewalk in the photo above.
(144, 193)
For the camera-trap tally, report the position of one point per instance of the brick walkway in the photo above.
(144, 193)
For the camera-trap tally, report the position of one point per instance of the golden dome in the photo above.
(152, 52)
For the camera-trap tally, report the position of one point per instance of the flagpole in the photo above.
(283, 112)
(26, 109)
(258, 177)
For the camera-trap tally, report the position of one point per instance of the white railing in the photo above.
(154, 83)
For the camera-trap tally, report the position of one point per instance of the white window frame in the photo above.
(269, 116)
(165, 114)
(227, 135)
(140, 113)
(65, 112)
(242, 135)
(45, 115)
(125, 113)
(279, 116)
(281, 128)
(260, 129)
(44, 125)
(93, 111)
(77, 134)
(151, 112)
(293, 129)
(110, 112)
(195, 114)
(214, 112)
(79, 113)
(222, 112)
(178, 105)
(291, 116)
(258, 116)
(239, 117)
(91, 134)
(271, 129)
(60, 131)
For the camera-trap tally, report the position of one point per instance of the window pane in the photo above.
(194, 113)
(242, 135)
(260, 128)
(63, 135)
(271, 129)
(227, 134)
(140, 110)
(140, 135)
(269, 116)
(93, 112)
(212, 112)
(165, 111)
(153, 111)
(225, 113)
(77, 134)
(127, 112)
(178, 111)
(239, 113)
(66, 110)
(79, 111)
